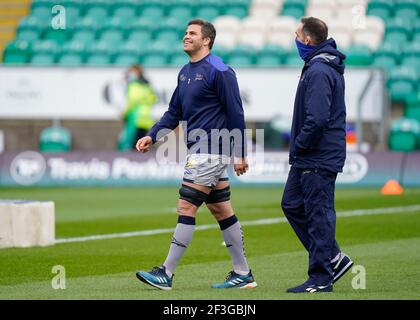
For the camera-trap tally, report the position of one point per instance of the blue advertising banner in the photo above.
(31, 168)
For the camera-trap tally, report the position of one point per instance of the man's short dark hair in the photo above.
(315, 28)
(207, 29)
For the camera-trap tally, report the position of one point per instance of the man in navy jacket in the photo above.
(317, 154)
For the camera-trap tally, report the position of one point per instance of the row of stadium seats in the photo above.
(129, 9)
(404, 135)
(255, 40)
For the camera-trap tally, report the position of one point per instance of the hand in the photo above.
(240, 166)
(144, 144)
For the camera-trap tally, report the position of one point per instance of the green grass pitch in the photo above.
(386, 245)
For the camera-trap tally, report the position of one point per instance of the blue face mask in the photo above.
(304, 49)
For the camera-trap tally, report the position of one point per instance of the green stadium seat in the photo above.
(55, 139)
(119, 24)
(40, 3)
(293, 60)
(155, 61)
(244, 51)
(17, 52)
(191, 5)
(266, 60)
(295, 12)
(178, 60)
(412, 50)
(98, 60)
(404, 135)
(153, 3)
(102, 47)
(154, 13)
(97, 13)
(208, 13)
(380, 8)
(398, 31)
(126, 13)
(28, 35)
(240, 61)
(300, 3)
(402, 82)
(221, 52)
(42, 59)
(139, 36)
(271, 55)
(144, 24)
(412, 108)
(387, 56)
(46, 46)
(104, 4)
(59, 35)
(181, 13)
(236, 11)
(33, 24)
(85, 36)
(359, 55)
(126, 59)
(160, 48)
(385, 62)
(70, 60)
(172, 24)
(169, 36)
(75, 47)
(273, 49)
(114, 36)
(407, 9)
(411, 62)
(73, 13)
(133, 47)
(90, 24)
(43, 13)
(294, 4)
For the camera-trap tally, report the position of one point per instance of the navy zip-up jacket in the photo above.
(206, 97)
(318, 137)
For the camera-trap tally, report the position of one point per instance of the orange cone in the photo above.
(392, 187)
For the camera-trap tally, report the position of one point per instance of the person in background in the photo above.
(138, 111)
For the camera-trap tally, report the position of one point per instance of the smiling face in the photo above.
(194, 41)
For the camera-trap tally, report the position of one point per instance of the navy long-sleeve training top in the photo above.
(207, 98)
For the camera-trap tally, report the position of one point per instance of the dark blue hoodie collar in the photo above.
(323, 52)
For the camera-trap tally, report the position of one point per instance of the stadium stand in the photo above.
(251, 33)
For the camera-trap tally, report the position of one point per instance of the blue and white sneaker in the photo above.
(234, 280)
(156, 278)
(308, 287)
(341, 266)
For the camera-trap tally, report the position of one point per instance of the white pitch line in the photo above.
(349, 213)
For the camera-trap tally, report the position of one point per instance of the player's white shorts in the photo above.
(206, 169)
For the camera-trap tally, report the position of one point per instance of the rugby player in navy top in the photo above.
(206, 99)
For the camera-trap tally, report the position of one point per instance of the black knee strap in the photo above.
(191, 195)
(220, 195)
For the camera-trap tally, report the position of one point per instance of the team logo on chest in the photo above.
(182, 77)
(198, 77)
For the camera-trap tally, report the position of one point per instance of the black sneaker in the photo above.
(308, 287)
(341, 266)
